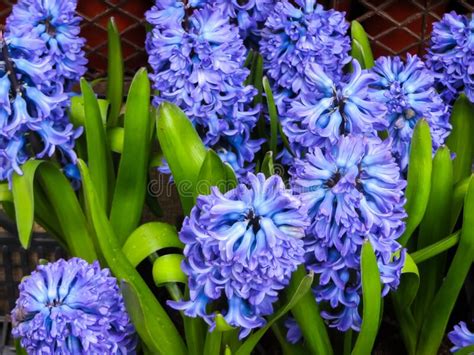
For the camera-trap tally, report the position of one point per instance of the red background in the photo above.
(394, 26)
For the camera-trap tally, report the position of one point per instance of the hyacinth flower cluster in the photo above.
(249, 15)
(56, 23)
(353, 192)
(72, 307)
(461, 337)
(451, 55)
(198, 64)
(27, 113)
(407, 90)
(40, 58)
(296, 34)
(331, 109)
(241, 249)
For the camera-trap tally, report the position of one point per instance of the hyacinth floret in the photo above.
(56, 24)
(72, 307)
(333, 109)
(198, 65)
(301, 32)
(354, 193)
(407, 90)
(241, 249)
(461, 337)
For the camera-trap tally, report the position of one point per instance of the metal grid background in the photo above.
(394, 26)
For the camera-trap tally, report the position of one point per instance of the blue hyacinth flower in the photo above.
(332, 109)
(353, 192)
(56, 24)
(461, 337)
(299, 33)
(407, 90)
(72, 307)
(451, 55)
(241, 249)
(198, 64)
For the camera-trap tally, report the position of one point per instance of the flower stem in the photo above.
(436, 248)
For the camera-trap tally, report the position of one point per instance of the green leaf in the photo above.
(183, 150)
(372, 301)
(459, 193)
(303, 287)
(136, 309)
(5, 193)
(410, 282)
(419, 179)
(273, 113)
(99, 159)
(77, 113)
(408, 327)
(258, 77)
(212, 345)
(148, 239)
(434, 325)
(212, 173)
(115, 72)
(45, 215)
(132, 175)
(19, 349)
(307, 314)
(68, 211)
(231, 178)
(147, 314)
(435, 249)
(29, 206)
(267, 165)
(435, 226)
(24, 200)
(115, 137)
(361, 46)
(66, 207)
(221, 324)
(167, 268)
(214, 339)
(286, 347)
(468, 350)
(460, 140)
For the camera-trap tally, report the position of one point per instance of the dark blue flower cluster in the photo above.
(451, 55)
(332, 108)
(294, 36)
(41, 56)
(350, 182)
(72, 307)
(353, 192)
(461, 337)
(241, 249)
(407, 90)
(198, 65)
(56, 23)
(249, 15)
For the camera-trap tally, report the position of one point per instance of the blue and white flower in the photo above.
(354, 193)
(407, 90)
(72, 307)
(241, 249)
